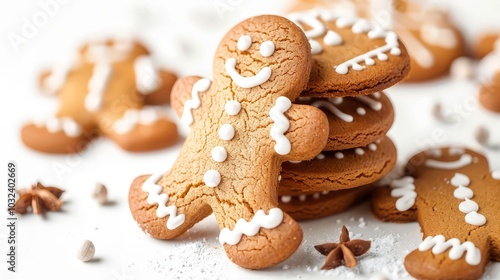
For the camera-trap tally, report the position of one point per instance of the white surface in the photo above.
(184, 39)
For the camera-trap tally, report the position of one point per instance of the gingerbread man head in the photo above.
(105, 93)
(243, 125)
(454, 196)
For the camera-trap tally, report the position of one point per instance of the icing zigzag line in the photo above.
(154, 196)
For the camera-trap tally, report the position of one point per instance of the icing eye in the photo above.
(244, 42)
(267, 49)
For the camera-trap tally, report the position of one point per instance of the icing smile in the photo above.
(247, 82)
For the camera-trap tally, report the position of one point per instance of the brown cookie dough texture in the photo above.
(315, 205)
(242, 127)
(351, 56)
(339, 170)
(489, 78)
(454, 197)
(354, 121)
(432, 40)
(106, 93)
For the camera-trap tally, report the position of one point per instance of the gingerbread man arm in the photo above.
(186, 89)
(396, 202)
(304, 133)
(162, 95)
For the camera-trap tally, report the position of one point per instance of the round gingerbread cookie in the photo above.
(431, 38)
(321, 204)
(354, 121)
(351, 56)
(339, 170)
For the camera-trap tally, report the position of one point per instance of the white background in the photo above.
(184, 38)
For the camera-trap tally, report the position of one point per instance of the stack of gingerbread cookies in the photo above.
(353, 61)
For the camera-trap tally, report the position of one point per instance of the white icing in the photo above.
(320, 156)
(377, 95)
(219, 154)
(439, 245)
(212, 178)
(194, 103)
(303, 197)
(232, 107)
(339, 155)
(456, 151)
(226, 132)
(65, 124)
(460, 179)
(359, 151)
(244, 42)
(52, 83)
(475, 219)
(435, 152)
(334, 110)
(247, 82)
(134, 117)
(280, 125)
(97, 84)
(332, 38)
(344, 22)
(147, 79)
(375, 105)
(462, 192)
(361, 111)
(315, 47)
(260, 220)
(266, 49)
(495, 175)
(460, 163)
(391, 46)
(154, 197)
(404, 190)
(468, 206)
(372, 147)
(438, 36)
(317, 28)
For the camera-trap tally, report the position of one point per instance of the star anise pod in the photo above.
(346, 250)
(40, 198)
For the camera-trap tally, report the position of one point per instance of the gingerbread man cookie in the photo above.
(351, 56)
(454, 196)
(105, 93)
(242, 126)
